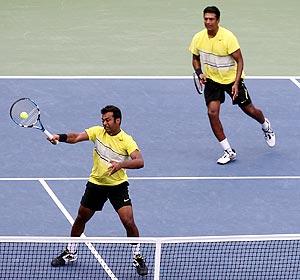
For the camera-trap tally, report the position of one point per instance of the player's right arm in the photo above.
(194, 49)
(71, 138)
(197, 67)
(196, 61)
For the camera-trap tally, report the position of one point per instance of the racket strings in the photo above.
(198, 85)
(25, 106)
(32, 118)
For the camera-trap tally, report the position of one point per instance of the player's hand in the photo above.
(54, 140)
(114, 167)
(234, 91)
(202, 78)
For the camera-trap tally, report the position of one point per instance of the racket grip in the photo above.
(50, 136)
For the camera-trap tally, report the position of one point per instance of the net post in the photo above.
(157, 259)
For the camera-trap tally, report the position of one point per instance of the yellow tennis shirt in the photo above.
(215, 54)
(109, 148)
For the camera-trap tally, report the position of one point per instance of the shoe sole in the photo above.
(271, 145)
(53, 264)
(226, 162)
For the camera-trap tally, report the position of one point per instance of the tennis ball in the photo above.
(23, 115)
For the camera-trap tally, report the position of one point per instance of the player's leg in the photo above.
(120, 200)
(93, 200)
(126, 216)
(214, 96)
(217, 128)
(69, 255)
(245, 103)
(83, 216)
(213, 112)
(257, 114)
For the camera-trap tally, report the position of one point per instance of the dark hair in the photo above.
(212, 10)
(115, 110)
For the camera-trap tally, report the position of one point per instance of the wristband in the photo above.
(62, 137)
(198, 71)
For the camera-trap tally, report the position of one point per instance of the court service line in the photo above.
(218, 178)
(71, 221)
(296, 82)
(137, 77)
(287, 177)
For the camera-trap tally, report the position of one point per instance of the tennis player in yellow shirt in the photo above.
(114, 152)
(218, 62)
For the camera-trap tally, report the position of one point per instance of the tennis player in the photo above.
(218, 62)
(114, 151)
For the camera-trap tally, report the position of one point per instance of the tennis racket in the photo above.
(198, 85)
(26, 113)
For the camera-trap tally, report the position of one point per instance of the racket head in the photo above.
(25, 104)
(198, 85)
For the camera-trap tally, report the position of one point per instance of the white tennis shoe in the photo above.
(64, 258)
(269, 135)
(140, 265)
(228, 156)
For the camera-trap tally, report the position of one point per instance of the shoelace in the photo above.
(268, 132)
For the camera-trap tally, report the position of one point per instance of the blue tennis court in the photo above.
(181, 191)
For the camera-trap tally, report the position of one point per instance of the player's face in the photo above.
(110, 124)
(211, 22)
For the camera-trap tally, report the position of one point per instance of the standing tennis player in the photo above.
(114, 151)
(218, 62)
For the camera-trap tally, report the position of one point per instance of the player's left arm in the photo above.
(238, 57)
(136, 162)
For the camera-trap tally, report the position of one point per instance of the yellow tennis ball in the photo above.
(23, 115)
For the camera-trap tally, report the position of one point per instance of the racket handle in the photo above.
(50, 136)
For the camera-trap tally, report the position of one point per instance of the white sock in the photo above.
(265, 125)
(72, 247)
(136, 249)
(225, 145)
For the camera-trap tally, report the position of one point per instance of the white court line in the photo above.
(166, 178)
(71, 221)
(138, 77)
(295, 81)
(217, 178)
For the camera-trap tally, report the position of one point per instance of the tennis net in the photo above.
(261, 257)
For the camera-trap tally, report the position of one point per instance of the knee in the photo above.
(213, 114)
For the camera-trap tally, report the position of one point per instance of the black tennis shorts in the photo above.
(95, 196)
(215, 91)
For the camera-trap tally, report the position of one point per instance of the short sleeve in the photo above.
(92, 132)
(193, 46)
(233, 44)
(131, 145)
